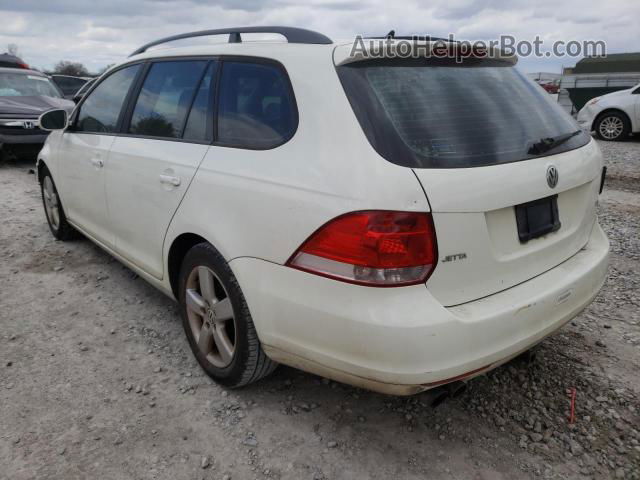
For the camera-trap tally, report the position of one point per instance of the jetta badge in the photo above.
(28, 125)
(552, 176)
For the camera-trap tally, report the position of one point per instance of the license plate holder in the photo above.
(537, 218)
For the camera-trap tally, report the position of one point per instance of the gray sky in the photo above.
(100, 32)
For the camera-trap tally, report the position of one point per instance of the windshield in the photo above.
(21, 85)
(441, 114)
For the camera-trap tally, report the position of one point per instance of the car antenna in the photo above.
(391, 34)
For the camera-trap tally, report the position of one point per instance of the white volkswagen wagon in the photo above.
(396, 224)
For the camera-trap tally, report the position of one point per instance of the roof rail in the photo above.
(293, 35)
(419, 38)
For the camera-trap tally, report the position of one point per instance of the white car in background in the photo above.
(395, 224)
(613, 116)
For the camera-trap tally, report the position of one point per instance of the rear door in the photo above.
(484, 143)
(153, 161)
(84, 149)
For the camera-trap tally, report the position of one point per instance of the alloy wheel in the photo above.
(51, 203)
(211, 316)
(611, 127)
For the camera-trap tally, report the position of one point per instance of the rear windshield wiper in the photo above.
(549, 143)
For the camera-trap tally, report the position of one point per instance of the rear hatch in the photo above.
(474, 213)
(484, 142)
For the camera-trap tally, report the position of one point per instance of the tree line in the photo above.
(75, 69)
(63, 67)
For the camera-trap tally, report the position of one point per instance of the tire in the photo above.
(612, 126)
(217, 321)
(58, 224)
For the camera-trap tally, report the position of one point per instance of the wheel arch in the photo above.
(179, 248)
(45, 159)
(41, 167)
(610, 110)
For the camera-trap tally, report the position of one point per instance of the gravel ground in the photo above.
(97, 380)
(623, 164)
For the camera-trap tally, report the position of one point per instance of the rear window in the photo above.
(199, 126)
(166, 97)
(426, 113)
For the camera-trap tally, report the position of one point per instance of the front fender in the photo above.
(48, 155)
(626, 109)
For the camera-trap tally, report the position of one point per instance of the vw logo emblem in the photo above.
(552, 176)
(28, 125)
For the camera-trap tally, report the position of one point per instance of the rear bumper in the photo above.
(401, 340)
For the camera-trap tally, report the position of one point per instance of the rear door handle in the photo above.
(97, 162)
(170, 180)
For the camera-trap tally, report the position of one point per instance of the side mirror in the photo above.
(77, 98)
(53, 120)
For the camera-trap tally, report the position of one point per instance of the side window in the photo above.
(76, 84)
(69, 85)
(165, 98)
(256, 106)
(63, 83)
(100, 111)
(199, 125)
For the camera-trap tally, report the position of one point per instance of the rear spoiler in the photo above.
(362, 49)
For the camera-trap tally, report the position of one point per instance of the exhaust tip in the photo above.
(438, 397)
(457, 389)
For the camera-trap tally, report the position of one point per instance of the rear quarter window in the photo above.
(256, 106)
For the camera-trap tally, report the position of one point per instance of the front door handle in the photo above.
(170, 180)
(97, 162)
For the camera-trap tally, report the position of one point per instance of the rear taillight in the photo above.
(23, 65)
(377, 248)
